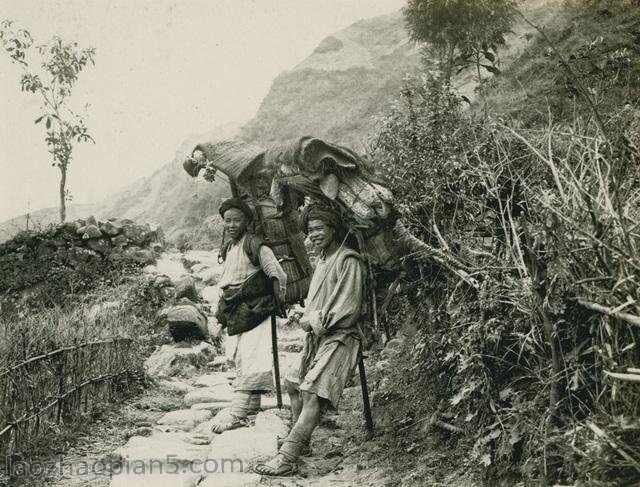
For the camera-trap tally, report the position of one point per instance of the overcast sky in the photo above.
(165, 70)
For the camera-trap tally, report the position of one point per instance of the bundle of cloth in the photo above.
(280, 178)
(233, 157)
(319, 169)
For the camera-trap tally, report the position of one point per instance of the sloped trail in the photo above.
(169, 441)
(162, 438)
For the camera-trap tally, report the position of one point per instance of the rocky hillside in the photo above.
(336, 92)
(45, 268)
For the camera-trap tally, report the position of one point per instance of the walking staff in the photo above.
(276, 361)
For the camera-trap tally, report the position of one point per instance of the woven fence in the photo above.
(58, 385)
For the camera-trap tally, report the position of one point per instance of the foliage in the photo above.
(82, 331)
(36, 271)
(601, 46)
(544, 221)
(461, 31)
(60, 65)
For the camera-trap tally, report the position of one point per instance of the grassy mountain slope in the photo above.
(601, 43)
(335, 93)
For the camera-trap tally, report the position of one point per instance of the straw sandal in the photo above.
(233, 423)
(278, 466)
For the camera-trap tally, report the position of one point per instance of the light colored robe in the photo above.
(251, 350)
(333, 309)
(335, 297)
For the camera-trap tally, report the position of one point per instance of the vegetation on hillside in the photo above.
(536, 369)
(73, 306)
(462, 32)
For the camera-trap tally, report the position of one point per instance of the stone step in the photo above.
(219, 393)
(160, 449)
(213, 407)
(243, 447)
(212, 379)
(173, 358)
(270, 422)
(184, 419)
(231, 480)
(155, 478)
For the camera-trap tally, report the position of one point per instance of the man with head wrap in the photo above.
(253, 285)
(331, 319)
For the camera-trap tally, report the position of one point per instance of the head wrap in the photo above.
(236, 203)
(322, 213)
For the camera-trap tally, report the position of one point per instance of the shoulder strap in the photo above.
(345, 253)
(252, 244)
(225, 249)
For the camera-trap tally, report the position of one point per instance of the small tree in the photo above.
(461, 32)
(59, 66)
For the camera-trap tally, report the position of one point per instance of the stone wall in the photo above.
(73, 257)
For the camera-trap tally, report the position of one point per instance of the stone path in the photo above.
(180, 449)
(163, 438)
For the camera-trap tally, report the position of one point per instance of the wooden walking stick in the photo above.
(368, 417)
(276, 361)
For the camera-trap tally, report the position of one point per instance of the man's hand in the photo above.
(305, 325)
(282, 312)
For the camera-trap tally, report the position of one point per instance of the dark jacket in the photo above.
(242, 309)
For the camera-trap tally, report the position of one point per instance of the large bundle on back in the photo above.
(279, 180)
(335, 176)
(243, 164)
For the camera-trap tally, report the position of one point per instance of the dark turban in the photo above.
(239, 204)
(324, 214)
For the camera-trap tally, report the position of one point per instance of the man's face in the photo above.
(320, 234)
(235, 223)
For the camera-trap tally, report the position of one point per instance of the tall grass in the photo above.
(79, 356)
(536, 365)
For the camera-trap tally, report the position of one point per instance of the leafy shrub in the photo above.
(543, 222)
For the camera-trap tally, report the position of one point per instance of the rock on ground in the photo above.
(245, 444)
(219, 363)
(219, 393)
(169, 358)
(211, 294)
(150, 269)
(186, 288)
(186, 322)
(184, 419)
(270, 422)
(221, 479)
(160, 449)
(209, 276)
(213, 407)
(213, 379)
(154, 479)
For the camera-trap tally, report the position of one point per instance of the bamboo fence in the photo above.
(49, 388)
